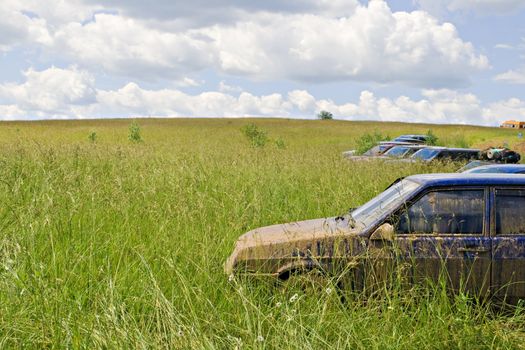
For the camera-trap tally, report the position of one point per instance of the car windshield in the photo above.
(388, 200)
(372, 151)
(426, 154)
(397, 151)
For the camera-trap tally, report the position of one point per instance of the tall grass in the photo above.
(121, 245)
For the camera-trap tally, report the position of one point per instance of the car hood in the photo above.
(278, 241)
(299, 230)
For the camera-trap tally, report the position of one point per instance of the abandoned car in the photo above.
(468, 227)
(396, 152)
(430, 154)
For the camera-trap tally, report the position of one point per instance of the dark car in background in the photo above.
(429, 154)
(377, 150)
(384, 146)
(469, 228)
(396, 152)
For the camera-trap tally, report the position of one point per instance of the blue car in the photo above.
(467, 227)
(498, 169)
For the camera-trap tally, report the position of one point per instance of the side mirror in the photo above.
(385, 232)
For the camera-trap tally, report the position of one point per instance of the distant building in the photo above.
(513, 124)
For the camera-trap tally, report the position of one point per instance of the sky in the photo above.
(435, 61)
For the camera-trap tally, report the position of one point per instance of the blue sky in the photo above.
(438, 61)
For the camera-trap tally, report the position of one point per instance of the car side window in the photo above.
(510, 211)
(444, 212)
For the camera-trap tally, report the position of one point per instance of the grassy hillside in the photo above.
(114, 244)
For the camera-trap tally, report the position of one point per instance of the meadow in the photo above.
(109, 243)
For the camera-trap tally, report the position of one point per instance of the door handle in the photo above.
(473, 249)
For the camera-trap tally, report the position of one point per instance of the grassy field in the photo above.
(114, 244)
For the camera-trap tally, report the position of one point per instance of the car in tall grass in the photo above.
(396, 152)
(383, 146)
(377, 150)
(466, 228)
(429, 154)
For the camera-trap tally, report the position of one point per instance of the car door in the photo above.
(444, 234)
(508, 228)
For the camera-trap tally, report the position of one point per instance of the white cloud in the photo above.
(373, 44)
(512, 108)
(132, 49)
(51, 92)
(302, 100)
(19, 28)
(223, 87)
(512, 76)
(70, 93)
(203, 13)
(11, 112)
(133, 100)
(311, 41)
(437, 106)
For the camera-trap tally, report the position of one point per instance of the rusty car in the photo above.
(467, 227)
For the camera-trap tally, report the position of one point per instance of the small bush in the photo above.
(367, 141)
(255, 136)
(92, 137)
(280, 143)
(325, 115)
(134, 132)
(432, 139)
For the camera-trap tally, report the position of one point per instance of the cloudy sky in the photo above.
(439, 61)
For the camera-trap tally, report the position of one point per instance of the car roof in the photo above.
(399, 143)
(455, 149)
(412, 136)
(504, 167)
(409, 146)
(459, 179)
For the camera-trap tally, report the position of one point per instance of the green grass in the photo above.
(114, 244)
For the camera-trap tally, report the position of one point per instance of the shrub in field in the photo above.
(325, 115)
(256, 136)
(134, 132)
(280, 143)
(432, 139)
(92, 137)
(367, 141)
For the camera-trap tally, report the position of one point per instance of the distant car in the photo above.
(469, 226)
(429, 154)
(383, 146)
(396, 152)
(498, 169)
(377, 150)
